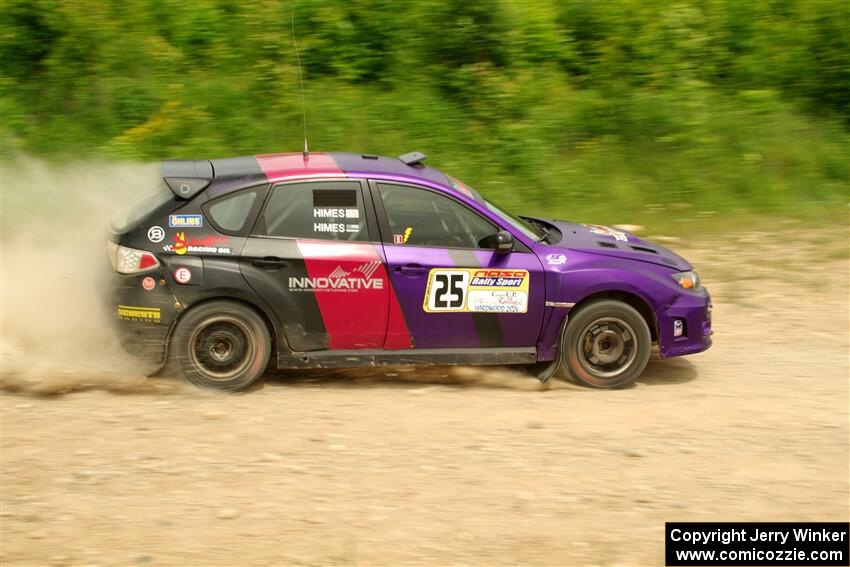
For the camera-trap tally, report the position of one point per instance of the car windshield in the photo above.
(525, 227)
(518, 223)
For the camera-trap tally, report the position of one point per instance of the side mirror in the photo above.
(504, 242)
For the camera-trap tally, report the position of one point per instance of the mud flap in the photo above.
(158, 373)
(545, 370)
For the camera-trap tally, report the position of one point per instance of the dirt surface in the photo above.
(449, 466)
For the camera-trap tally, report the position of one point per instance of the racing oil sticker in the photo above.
(206, 245)
(476, 290)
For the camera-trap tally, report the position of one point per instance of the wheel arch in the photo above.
(639, 303)
(249, 304)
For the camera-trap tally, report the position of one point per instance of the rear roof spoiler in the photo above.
(186, 178)
(413, 158)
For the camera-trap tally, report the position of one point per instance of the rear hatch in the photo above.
(157, 202)
(181, 180)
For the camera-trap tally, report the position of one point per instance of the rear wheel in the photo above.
(606, 344)
(221, 345)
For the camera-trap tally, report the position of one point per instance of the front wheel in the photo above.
(606, 344)
(221, 345)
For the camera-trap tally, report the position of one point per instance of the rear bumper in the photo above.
(142, 320)
(684, 327)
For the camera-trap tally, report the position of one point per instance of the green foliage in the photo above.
(612, 109)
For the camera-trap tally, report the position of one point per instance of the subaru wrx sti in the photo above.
(327, 260)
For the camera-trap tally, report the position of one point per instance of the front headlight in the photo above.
(688, 280)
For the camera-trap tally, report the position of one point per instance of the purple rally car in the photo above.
(336, 259)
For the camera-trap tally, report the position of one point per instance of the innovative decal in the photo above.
(146, 314)
(206, 245)
(340, 280)
(185, 221)
(556, 259)
(476, 290)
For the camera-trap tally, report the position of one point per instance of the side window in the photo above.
(322, 210)
(230, 213)
(418, 217)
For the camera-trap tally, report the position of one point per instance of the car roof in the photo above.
(230, 174)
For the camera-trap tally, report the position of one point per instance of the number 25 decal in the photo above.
(448, 294)
(477, 290)
(446, 290)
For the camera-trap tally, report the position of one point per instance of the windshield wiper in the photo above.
(545, 236)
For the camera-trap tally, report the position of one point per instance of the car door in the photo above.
(312, 258)
(455, 291)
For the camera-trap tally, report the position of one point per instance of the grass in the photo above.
(653, 159)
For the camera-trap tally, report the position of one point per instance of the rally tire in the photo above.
(606, 344)
(221, 345)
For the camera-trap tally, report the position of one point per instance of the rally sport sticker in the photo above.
(476, 290)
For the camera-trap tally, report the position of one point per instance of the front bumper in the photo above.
(142, 319)
(684, 326)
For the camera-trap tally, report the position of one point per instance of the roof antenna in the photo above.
(301, 77)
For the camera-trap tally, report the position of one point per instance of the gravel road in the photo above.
(447, 466)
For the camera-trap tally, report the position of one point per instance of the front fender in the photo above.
(650, 283)
(570, 285)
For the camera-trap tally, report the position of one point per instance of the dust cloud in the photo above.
(56, 335)
(486, 377)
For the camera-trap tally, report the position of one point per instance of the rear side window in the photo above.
(322, 210)
(230, 213)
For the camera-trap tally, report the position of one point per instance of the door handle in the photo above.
(270, 263)
(412, 269)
